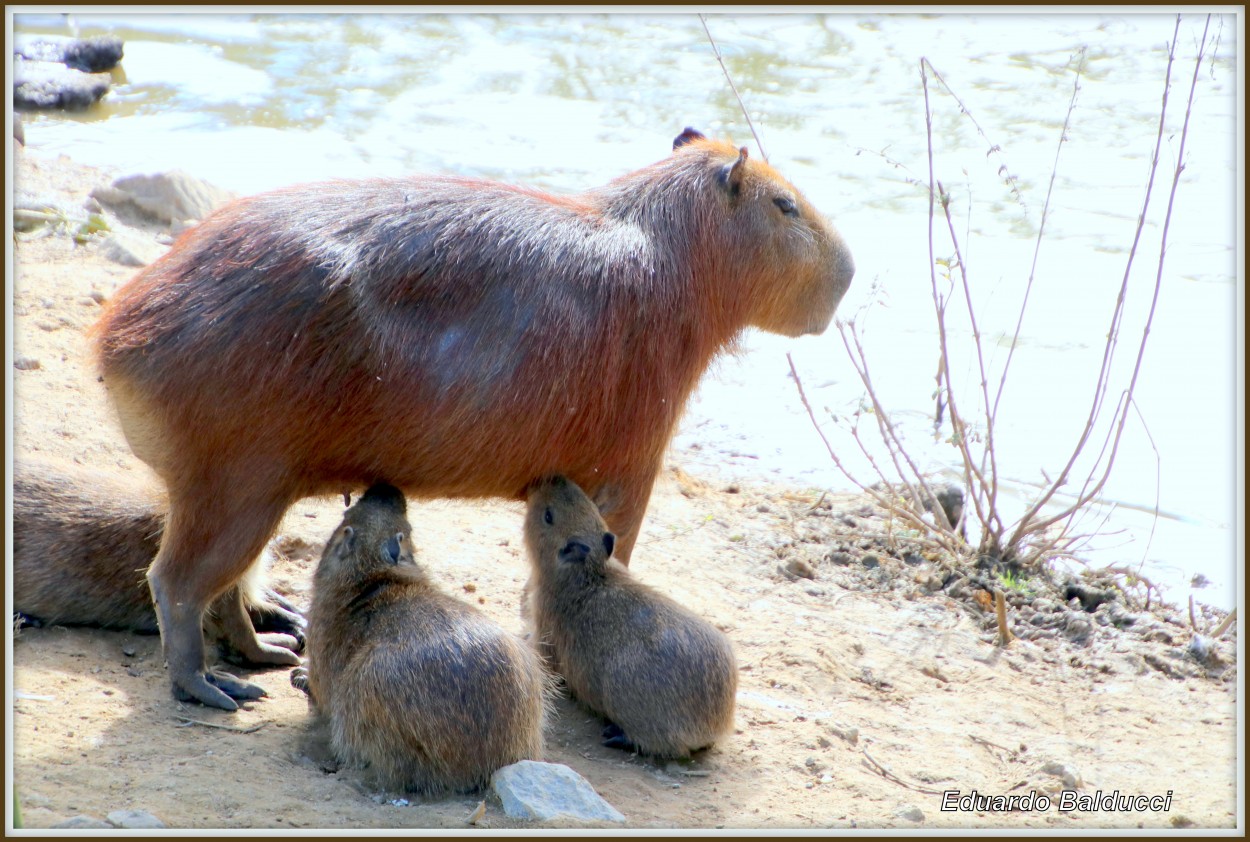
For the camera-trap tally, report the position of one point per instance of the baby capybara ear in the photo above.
(574, 552)
(688, 134)
(731, 174)
(609, 543)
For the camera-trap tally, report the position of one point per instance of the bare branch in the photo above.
(732, 86)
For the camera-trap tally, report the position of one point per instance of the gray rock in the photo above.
(45, 84)
(26, 363)
(169, 198)
(130, 249)
(83, 823)
(134, 819)
(911, 813)
(1068, 774)
(90, 55)
(546, 791)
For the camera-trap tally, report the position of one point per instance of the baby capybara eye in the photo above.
(547, 517)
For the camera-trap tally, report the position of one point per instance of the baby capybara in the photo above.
(464, 336)
(83, 540)
(418, 688)
(663, 677)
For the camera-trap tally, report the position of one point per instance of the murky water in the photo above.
(570, 101)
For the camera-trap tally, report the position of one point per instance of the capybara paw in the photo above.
(299, 678)
(614, 737)
(216, 689)
(276, 614)
(267, 650)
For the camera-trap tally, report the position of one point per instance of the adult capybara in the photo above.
(665, 678)
(454, 337)
(83, 540)
(419, 688)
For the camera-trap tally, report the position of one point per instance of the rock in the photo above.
(169, 198)
(840, 558)
(911, 813)
(45, 84)
(90, 55)
(134, 820)
(130, 249)
(1066, 773)
(26, 363)
(83, 823)
(799, 568)
(870, 561)
(545, 791)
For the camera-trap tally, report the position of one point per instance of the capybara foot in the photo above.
(275, 613)
(216, 689)
(267, 650)
(299, 678)
(614, 737)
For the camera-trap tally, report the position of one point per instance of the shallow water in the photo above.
(569, 101)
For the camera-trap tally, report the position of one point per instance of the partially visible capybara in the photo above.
(664, 678)
(83, 540)
(453, 336)
(420, 689)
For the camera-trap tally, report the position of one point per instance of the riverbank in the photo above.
(870, 680)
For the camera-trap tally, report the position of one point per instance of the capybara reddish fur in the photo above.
(665, 678)
(419, 689)
(454, 337)
(83, 540)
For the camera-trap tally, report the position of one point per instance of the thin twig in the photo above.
(236, 728)
(890, 776)
(1224, 624)
(732, 86)
(1000, 609)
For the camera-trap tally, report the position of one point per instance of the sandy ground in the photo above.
(864, 693)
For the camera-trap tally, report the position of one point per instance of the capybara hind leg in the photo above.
(274, 613)
(249, 647)
(210, 541)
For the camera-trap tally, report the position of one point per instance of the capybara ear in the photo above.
(345, 544)
(574, 552)
(609, 543)
(606, 498)
(731, 175)
(687, 135)
(392, 547)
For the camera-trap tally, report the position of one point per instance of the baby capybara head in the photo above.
(797, 263)
(374, 534)
(563, 526)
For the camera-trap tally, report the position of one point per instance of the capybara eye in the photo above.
(547, 518)
(786, 205)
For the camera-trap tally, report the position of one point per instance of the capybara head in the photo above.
(563, 527)
(374, 534)
(793, 264)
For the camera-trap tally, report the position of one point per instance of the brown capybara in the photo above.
(452, 336)
(664, 678)
(83, 540)
(418, 688)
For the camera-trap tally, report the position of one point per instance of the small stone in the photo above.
(870, 561)
(129, 650)
(799, 567)
(134, 819)
(840, 558)
(911, 813)
(169, 197)
(826, 779)
(83, 823)
(26, 364)
(1066, 773)
(544, 791)
(98, 297)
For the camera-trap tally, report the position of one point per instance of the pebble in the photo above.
(130, 249)
(1068, 774)
(544, 791)
(26, 363)
(134, 819)
(911, 813)
(870, 561)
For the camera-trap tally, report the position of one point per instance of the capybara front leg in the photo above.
(623, 507)
(207, 546)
